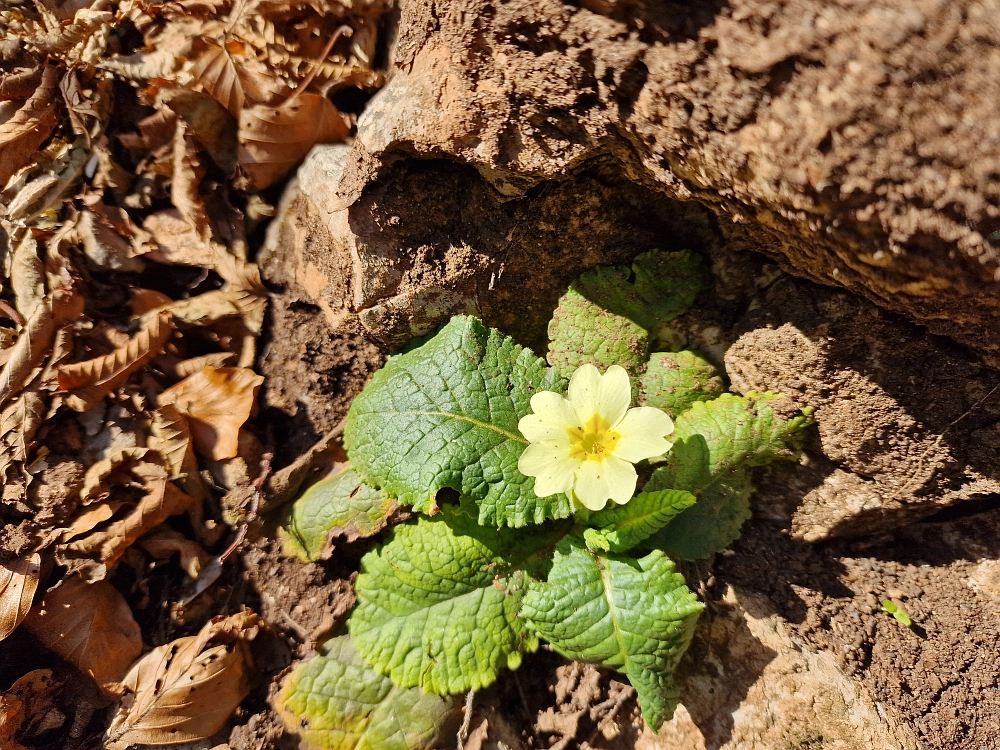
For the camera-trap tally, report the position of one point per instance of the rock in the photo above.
(747, 684)
(855, 141)
(905, 420)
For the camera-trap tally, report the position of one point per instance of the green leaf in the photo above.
(338, 507)
(636, 616)
(445, 415)
(607, 316)
(715, 442)
(439, 605)
(620, 528)
(673, 381)
(336, 702)
(583, 332)
(711, 524)
(656, 289)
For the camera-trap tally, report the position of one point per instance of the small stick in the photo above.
(265, 470)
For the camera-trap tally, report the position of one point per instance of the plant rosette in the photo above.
(525, 545)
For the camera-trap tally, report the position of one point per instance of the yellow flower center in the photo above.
(594, 442)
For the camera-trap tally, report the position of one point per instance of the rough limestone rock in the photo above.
(856, 140)
(908, 423)
(747, 684)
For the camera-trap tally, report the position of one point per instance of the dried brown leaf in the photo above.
(234, 78)
(164, 542)
(217, 402)
(23, 133)
(186, 690)
(175, 242)
(18, 581)
(27, 708)
(187, 176)
(20, 83)
(188, 367)
(212, 126)
(104, 246)
(36, 341)
(89, 625)
(98, 473)
(92, 380)
(89, 518)
(18, 424)
(27, 276)
(95, 554)
(219, 304)
(155, 131)
(273, 140)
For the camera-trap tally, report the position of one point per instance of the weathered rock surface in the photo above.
(748, 684)
(857, 141)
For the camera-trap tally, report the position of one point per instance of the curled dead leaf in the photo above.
(234, 78)
(27, 709)
(273, 140)
(164, 542)
(92, 380)
(18, 423)
(18, 581)
(89, 625)
(217, 401)
(170, 436)
(187, 689)
(95, 554)
(23, 133)
(94, 481)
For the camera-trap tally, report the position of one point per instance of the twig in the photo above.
(463, 731)
(265, 471)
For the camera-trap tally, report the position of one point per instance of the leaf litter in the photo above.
(130, 308)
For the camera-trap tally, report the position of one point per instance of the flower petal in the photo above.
(552, 417)
(591, 393)
(550, 463)
(616, 395)
(598, 481)
(642, 434)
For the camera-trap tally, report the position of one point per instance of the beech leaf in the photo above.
(92, 380)
(186, 690)
(273, 140)
(31, 125)
(89, 625)
(18, 582)
(217, 401)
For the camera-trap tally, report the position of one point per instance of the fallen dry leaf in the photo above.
(18, 423)
(175, 242)
(18, 581)
(234, 78)
(164, 542)
(90, 381)
(94, 481)
(89, 518)
(95, 554)
(217, 401)
(170, 436)
(27, 708)
(273, 140)
(91, 626)
(186, 690)
(30, 126)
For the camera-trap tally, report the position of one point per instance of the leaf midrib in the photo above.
(461, 417)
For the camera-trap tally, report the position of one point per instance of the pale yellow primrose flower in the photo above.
(588, 442)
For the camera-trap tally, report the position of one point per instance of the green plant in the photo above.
(469, 587)
(897, 611)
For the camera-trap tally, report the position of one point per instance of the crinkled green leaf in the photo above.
(657, 288)
(339, 507)
(621, 527)
(636, 616)
(673, 381)
(439, 605)
(445, 415)
(711, 524)
(715, 442)
(607, 316)
(583, 332)
(337, 702)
